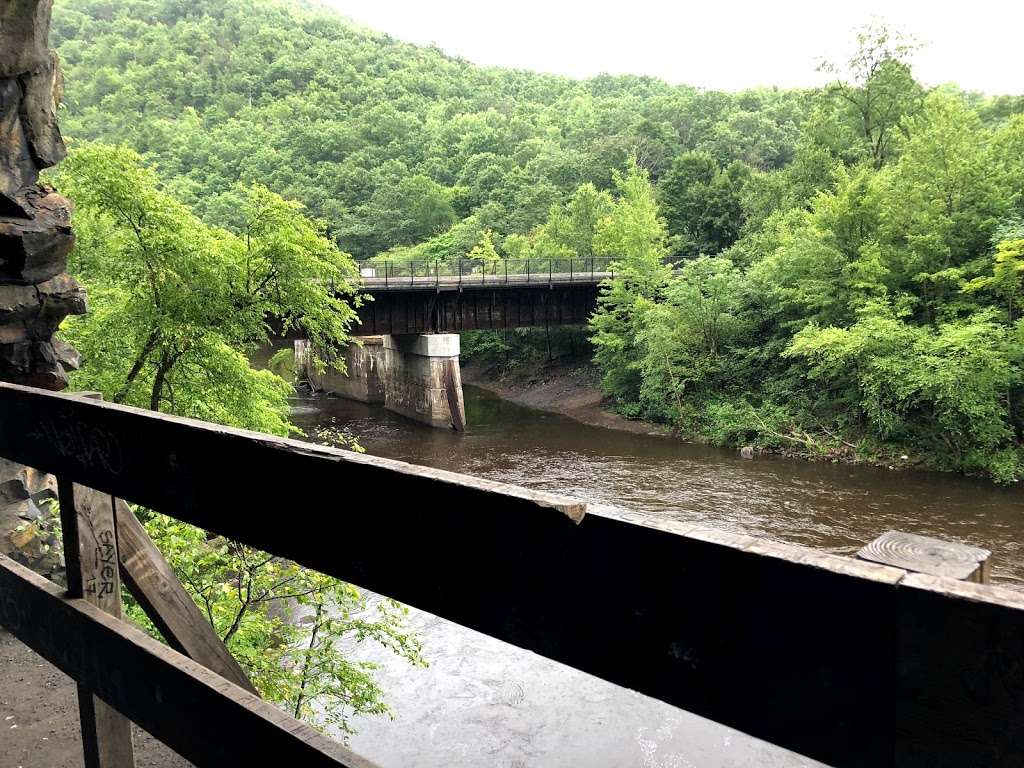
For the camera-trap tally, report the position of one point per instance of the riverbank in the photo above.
(570, 386)
(566, 386)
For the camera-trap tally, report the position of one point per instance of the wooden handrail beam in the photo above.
(197, 713)
(848, 662)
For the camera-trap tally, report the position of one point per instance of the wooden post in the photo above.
(934, 557)
(90, 555)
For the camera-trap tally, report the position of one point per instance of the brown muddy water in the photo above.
(483, 702)
(833, 507)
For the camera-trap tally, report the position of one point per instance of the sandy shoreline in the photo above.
(569, 388)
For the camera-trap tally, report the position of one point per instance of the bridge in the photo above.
(457, 295)
(407, 353)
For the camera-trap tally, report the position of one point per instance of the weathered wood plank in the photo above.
(924, 554)
(106, 734)
(801, 650)
(152, 581)
(199, 714)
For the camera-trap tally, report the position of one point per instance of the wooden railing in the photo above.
(848, 662)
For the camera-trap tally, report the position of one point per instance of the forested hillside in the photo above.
(389, 143)
(851, 258)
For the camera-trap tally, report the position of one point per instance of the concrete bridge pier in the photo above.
(415, 375)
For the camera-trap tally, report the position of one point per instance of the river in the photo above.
(833, 507)
(486, 703)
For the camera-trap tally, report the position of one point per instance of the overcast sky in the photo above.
(727, 44)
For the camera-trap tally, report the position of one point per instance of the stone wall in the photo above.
(36, 293)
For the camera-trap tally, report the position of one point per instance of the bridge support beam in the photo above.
(415, 375)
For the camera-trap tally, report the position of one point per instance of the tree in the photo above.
(1007, 278)
(946, 386)
(177, 304)
(702, 203)
(879, 89)
(419, 208)
(939, 204)
(685, 338)
(634, 235)
(484, 251)
(285, 624)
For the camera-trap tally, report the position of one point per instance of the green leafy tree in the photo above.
(1007, 278)
(176, 304)
(878, 89)
(939, 205)
(922, 386)
(290, 628)
(702, 203)
(484, 251)
(686, 338)
(634, 234)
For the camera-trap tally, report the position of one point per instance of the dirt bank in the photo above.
(565, 386)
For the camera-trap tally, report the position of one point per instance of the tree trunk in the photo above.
(140, 361)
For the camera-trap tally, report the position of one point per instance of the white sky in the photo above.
(725, 44)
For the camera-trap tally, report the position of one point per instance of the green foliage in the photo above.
(635, 234)
(282, 363)
(877, 91)
(286, 625)
(390, 144)
(871, 206)
(923, 387)
(866, 297)
(484, 250)
(177, 304)
(702, 203)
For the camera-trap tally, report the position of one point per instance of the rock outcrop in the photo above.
(36, 293)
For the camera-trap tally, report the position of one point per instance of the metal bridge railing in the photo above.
(422, 272)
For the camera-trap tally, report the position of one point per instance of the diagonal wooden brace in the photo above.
(152, 581)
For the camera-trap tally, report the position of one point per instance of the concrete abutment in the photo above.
(415, 375)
